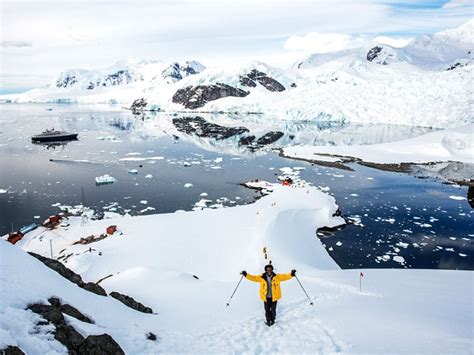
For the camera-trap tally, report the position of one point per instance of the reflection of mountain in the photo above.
(231, 132)
(121, 124)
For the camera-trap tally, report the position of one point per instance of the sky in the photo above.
(39, 39)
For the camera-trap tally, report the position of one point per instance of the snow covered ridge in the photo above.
(124, 73)
(430, 52)
(426, 83)
(162, 260)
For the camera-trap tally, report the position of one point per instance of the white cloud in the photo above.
(457, 3)
(316, 42)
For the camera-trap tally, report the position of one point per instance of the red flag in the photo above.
(361, 274)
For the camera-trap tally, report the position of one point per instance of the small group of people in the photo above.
(270, 289)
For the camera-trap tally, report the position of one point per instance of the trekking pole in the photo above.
(309, 299)
(233, 293)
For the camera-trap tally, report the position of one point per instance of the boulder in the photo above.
(99, 345)
(11, 350)
(94, 288)
(130, 302)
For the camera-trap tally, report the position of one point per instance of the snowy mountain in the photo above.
(428, 82)
(429, 52)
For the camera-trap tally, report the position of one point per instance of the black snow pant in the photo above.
(270, 310)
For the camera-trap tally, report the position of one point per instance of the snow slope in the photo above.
(455, 144)
(154, 260)
(25, 280)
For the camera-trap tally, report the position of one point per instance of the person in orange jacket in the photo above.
(270, 290)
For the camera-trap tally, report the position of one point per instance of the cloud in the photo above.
(457, 3)
(17, 44)
(315, 42)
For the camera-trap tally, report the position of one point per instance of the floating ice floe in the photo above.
(149, 176)
(105, 179)
(3, 191)
(133, 171)
(188, 185)
(457, 198)
(399, 259)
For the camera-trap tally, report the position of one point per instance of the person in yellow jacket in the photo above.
(270, 290)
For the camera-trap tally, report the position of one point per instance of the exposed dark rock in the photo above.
(201, 128)
(51, 312)
(270, 137)
(138, 105)
(247, 140)
(94, 288)
(91, 239)
(454, 66)
(325, 232)
(11, 350)
(121, 77)
(193, 97)
(246, 81)
(263, 79)
(151, 336)
(69, 310)
(176, 71)
(60, 269)
(69, 274)
(68, 336)
(130, 302)
(293, 85)
(99, 345)
(372, 54)
(66, 81)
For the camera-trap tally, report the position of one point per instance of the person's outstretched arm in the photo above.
(254, 278)
(286, 277)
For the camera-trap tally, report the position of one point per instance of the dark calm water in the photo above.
(396, 214)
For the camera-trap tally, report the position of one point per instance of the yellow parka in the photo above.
(276, 289)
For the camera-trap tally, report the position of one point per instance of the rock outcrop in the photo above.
(11, 350)
(251, 79)
(200, 127)
(70, 275)
(130, 302)
(176, 71)
(70, 337)
(193, 97)
(382, 55)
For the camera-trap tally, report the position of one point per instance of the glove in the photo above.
(293, 272)
(244, 273)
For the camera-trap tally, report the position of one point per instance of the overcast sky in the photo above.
(41, 38)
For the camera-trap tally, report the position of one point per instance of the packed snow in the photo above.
(185, 266)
